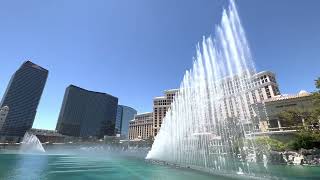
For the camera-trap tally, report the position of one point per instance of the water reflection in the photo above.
(118, 167)
(28, 166)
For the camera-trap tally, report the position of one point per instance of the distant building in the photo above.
(48, 136)
(124, 115)
(160, 108)
(3, 115)
(22, 97)
(302, 101)
(141, 127)
(118, 120)
(87, 113)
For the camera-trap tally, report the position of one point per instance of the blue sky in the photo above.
(135, 49)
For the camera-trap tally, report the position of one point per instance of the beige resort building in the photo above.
(141, 126)
(258, 88)
(160, 107)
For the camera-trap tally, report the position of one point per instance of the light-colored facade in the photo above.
(302, 101)
(3, 114)
(141, 126)
(160, 108)
(259, 87)
(250, 92)
(267, 86)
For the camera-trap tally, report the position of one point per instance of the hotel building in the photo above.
(160, 108)
(22, 97)
(250, 92)
(259, 87)
(87, 113)
(141, 126)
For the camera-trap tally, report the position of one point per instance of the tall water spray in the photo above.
(31, 144)
(211, 121)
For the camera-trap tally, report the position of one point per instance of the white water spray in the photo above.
(31, 144)
(210, 122)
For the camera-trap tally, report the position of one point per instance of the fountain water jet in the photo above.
(31, 144)
(214, 114)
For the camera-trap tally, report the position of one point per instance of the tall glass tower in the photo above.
(22, 98)
(124, 115)
(87, 113)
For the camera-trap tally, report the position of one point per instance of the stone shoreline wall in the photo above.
(303, 157)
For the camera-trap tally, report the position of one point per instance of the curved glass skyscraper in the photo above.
(22, 98)
(124, 115)
(87, 113)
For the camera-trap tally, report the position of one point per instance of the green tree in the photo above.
(317, 82)
(316, 95)
(306, 139)
(295, 117)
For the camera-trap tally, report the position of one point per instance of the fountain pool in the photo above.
(96, 166)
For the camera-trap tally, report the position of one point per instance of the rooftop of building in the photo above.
(143, 114)
(264, 73)
(29, 63)
(302, 93)
(246, 75)
(159, 98)
(166, 92)
(127, 107)
(171, 91)
(74, 86)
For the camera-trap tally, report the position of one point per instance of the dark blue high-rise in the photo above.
(87, 113)
(22, 96)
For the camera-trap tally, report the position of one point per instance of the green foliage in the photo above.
(316, 97)
(317, 83)
(294, 117)
(306, 139)
(289, 117)
(265, 144)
